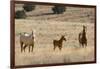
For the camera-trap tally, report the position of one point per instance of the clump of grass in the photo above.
(66, 59)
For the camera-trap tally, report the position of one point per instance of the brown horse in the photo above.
(58, 43)
(82, 37)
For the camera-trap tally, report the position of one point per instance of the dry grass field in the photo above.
(49, 27)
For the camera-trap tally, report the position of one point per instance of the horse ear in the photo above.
(84, 26)
(34, 32)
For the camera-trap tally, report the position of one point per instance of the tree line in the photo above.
(57, 9)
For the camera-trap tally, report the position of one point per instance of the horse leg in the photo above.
(54, 47)
(60, 47)
(25, 47)
(21, 43)
(29, 48)
(32, 47)
(86, 43)
(82, 45)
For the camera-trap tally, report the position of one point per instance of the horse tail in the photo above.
(54, 44)
(79, 37)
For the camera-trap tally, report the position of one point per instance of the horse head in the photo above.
(63, 38)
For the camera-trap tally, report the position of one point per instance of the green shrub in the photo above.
(28, 7)
(58, 9)
(20, 14)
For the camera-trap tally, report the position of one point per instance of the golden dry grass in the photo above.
(50, 27)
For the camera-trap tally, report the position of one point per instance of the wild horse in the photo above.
(82, 37)
(58, 43)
